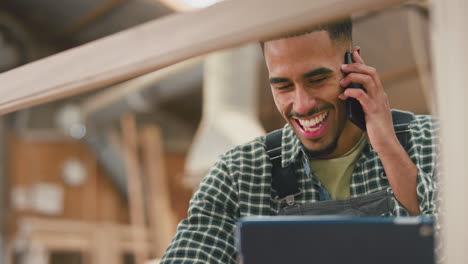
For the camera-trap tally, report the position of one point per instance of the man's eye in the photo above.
(318, 80)
(282, 87)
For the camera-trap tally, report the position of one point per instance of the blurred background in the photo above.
(105, 176)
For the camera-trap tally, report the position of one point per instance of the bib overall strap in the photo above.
(402, 124)
(284, 180)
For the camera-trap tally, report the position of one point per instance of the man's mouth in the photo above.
(313, 124)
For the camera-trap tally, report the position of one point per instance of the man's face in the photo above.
(304, 74)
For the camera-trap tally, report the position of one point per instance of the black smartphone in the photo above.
(353, 107)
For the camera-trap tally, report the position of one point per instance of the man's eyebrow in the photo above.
(316, 72)
(274, 80)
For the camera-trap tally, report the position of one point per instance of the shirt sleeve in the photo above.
(426, 190)
(424, 154)
(206, 235)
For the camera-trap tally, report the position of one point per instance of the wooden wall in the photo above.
(32, 162)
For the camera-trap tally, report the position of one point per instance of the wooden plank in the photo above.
(128, 232)
(178, 6)
(91, 196)
(161, 216)
(135, 247)
(135, 187)
(105, 246)
(29, 225)
(163, 42)
(101, 242)
(41, 224)
(8, 253)
(62, 241)
(449, 38)
(420, 48)
(36, 254)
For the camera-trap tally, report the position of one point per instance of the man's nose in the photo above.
(303, 101)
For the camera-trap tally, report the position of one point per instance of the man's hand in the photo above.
(401, 171)
(375, 104)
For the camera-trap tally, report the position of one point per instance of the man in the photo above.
(330, 157)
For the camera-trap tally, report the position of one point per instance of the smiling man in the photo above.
(306, 83)
(319, 156)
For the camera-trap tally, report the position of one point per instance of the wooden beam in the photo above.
(177, 6)
(135, 187)
(163, 42)
(104, 246)
(449, 38)
(161, 216)
(40, 224)
(420, 47)
(134, 181)
(8, 252)
(57, 241)
(101, 242)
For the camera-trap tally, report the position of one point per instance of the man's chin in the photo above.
(320, 152)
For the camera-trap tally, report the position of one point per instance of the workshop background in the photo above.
(104, 177)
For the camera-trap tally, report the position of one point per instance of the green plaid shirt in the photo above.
(239, 185)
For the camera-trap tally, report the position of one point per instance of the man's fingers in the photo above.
(359, 68)
(359, 95)
(363, 69)
(366, 80)
(356, 93)
(356, 56)
(369, 105)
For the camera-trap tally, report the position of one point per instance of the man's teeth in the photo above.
(308, 124)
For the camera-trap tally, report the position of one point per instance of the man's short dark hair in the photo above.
(339, 31)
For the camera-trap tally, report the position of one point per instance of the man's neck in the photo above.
(349, 137)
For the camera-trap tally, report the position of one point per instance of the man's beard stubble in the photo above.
(311, 154)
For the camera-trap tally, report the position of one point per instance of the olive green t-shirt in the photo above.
(335, 174)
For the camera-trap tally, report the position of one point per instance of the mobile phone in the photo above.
(353, 107)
